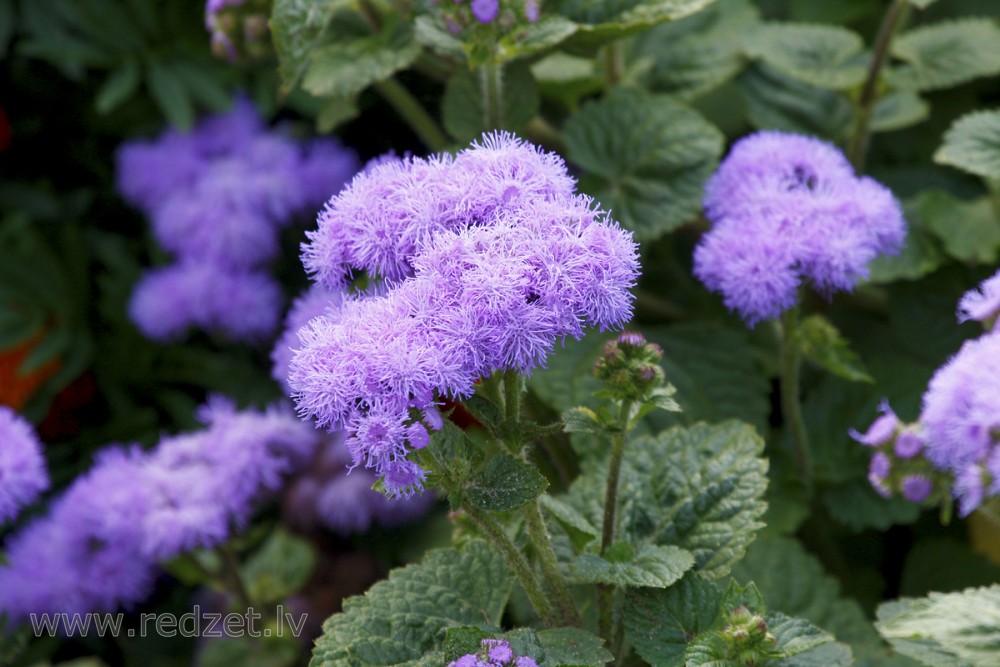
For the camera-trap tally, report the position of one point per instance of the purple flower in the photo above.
(316, 301)
(239, 303)
(961, 408)
(968, 489)
(916, 488)
(22, 466)
(882, 430)
(149, 173)
(485, 11)
(494, 653)
(787, 208)
(908, 444)
(326, 167)
(878, 471)
(982, 304)
(499, 650)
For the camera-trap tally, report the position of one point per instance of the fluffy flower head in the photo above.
(22, 466)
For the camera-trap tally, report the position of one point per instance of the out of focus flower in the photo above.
(787, 209)
(982, 304)
(238, 28)
(22, 467)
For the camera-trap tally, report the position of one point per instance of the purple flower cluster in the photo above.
(22, 466)
(982, 304)
(98, 546)
(326, 494)
(217, 198)
(494, 653)
(897, 465)
(238, 28)
(489, 259)
(785, 209)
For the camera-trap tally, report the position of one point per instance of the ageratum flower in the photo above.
(514, 263)
(316, 301)
(982, 304)
(785, 210)
(494, 653)
(22, 466)
(97, 548)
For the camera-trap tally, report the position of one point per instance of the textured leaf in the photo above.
(660, 623)
(954, 629)
(696, 54)
(120, 85)
(942, 55)
(820, 55)
(530, 39)
(969, 230)
(279, 568)
(657, 567)
(601, 21)
(463, 109)
(827, 655)
(506, 484)
(823, 345)
(580, 530)
(405, 617)
(973, 144)
(572, 647)
(296, 28)
(435, 36)
(898, 110)
(857, 505)
(348, 66)
(776, 101)
(646, 158)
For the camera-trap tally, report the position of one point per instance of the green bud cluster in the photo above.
(630, 367)
(240, 31)
(746, 637)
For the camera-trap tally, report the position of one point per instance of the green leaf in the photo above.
(401, 619)
(527, 40)
(701, 489)
(660, 623)
(572, 647)
(646, 157)
(972, 144)
(582, 420)
(954, 629)
(120, 85)
(349, 65)
(335, 112)
(601, 21)
(820, 55)
(776, 101)
(827, 655)
(580, 530)
(857, 505)
(296, 28)
(435, 36)
(822, 344)
(249, 652)
(794, 636)
(170, 94)
(920, 256)
(897, 110)
(281, 566)
(463, 110)
(694, 55)
(945, 54)
(506, 484)
(969, 230)
(656, 567)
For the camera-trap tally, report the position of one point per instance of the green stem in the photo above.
(231, 571)
(491, 89)
(522, 570)
(540, 539)
(858, 146)
(540, 131)
(410, 110)
(791, 408)
(605, 592)
(614, 63)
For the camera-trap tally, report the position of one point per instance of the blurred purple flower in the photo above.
(22, 466)
(983, 303)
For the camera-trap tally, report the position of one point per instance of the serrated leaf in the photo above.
(969, 230)
(945, 54)
(776, 101)
(646, 158)
(897, 110)
(955, 629)
(660, 623)
(972, 144)
(349, 65)
(506, 484)
(820, 55)
(656, 567)
(694, 55)
(822, 344)
(601, 21)
(580, 530)
(296, 28)
(582, 420)
(463, 110)
(572, 647)
(827, 655)
(169, 94)
(279, 568)
(118, 87)
(527, 40)
(405, 617)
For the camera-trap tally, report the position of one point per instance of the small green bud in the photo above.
(629, 367)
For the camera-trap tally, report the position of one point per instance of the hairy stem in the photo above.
(791, 408)
(614, 63)
(522, 570)
(411, 111)
(858, 146)
(542, 541)
(605, 593)
(491, 88)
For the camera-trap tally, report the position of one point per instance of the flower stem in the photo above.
(517, 562)
(614, 63)
(791, 408)
(410, 110)
(605, 592)
(491, 88)
(858, 146)
(540, 539)
(231, 571)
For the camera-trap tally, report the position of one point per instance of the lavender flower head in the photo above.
(982, 304)
(494, 653)
(787, 209)
(316, 301)
(22, 467)
(490, 259)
